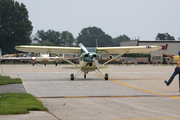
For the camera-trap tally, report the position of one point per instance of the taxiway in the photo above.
(133, 92)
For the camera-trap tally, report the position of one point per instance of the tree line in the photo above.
(88, 36)
(16, 29)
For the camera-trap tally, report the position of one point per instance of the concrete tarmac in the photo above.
(135, 92)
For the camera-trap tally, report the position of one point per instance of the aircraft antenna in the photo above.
(0, 53)
(96, 43)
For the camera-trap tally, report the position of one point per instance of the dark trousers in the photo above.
(177, 71)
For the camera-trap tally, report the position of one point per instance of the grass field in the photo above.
(5, 80)
(19, 103)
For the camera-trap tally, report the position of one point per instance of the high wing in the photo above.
(15, 58)
(127, 49)
(77, 50)
(49, 49)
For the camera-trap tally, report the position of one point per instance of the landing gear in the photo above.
(56, 64)
(106, 76)
(85, 75)
(45, 64)
(72, 76)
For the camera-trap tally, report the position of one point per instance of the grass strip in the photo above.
(19, 103)
(5, 80)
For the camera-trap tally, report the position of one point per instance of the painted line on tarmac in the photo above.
(150, 118)
(135, 87)
(55, 97)
(175, 97)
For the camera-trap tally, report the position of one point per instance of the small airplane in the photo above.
(89, 56)
(44, 58)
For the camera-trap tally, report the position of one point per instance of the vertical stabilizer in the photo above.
(0, 53)
(96, 43)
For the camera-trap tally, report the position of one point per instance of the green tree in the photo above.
(59, 39)
(121, 38)
(44, 43)
(51, 36)
(104, 40)
(66, 39)
(15, 28)
(164, 36)
(88, 37)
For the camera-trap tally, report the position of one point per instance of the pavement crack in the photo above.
(53, 115)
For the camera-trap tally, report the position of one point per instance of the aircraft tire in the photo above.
(106, 76)
(72, 77)
(84, 76)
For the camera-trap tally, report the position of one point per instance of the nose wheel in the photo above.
(85, 74)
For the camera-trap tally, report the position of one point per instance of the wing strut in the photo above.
(113, 58)
(60, 57)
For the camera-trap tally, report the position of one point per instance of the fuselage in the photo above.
(44, 58)
(87, 63)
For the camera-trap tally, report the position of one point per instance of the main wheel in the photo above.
(106, 76)
(84, 76)
(72, 76)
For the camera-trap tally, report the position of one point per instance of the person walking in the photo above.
(177, 71)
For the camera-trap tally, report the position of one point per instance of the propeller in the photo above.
(89, 54)
(83, 47)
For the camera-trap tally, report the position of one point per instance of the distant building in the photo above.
(168, 47)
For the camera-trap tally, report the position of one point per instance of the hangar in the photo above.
(168, 47)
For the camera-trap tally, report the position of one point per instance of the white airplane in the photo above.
(44, 58)
(88, 59)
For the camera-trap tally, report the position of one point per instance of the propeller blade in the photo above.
(83, 47)
(96, 62)
(27, 63)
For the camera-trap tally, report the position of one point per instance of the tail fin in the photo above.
(96, 43)
(0, 53)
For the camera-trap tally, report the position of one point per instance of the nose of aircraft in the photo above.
(91, 55)
(33, 58)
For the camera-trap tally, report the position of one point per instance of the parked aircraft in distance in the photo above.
(44, 58)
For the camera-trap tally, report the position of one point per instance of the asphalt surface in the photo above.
(12, 88)
(132, 92)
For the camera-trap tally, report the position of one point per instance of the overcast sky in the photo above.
(143, 18)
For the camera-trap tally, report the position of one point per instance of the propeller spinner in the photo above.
(90, 55)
